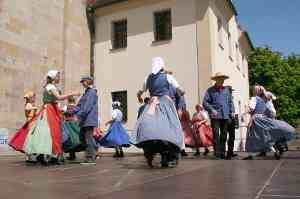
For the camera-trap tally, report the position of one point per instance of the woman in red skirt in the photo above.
(202, 130)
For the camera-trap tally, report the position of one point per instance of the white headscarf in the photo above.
(52, 74)
(157, 65)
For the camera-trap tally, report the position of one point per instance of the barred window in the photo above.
(163, 25)
(121, 96)
(119, 34)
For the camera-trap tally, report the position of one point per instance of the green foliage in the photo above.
(281, 76)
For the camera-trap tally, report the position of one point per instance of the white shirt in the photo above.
(117, 115)
(50, 87)
(170, 79)
(271, 108)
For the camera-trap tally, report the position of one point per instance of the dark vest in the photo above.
(158, 84)
(260, 107)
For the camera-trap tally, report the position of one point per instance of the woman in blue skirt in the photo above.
(158, 129)
(264, 132)
(116, 136)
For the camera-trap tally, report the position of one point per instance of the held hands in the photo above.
(107, 123)
(76, 94)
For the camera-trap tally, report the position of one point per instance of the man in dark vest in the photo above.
(218, 103)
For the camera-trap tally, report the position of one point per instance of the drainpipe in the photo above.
(90, 13)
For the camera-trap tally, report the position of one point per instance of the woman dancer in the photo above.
(264, 132)
(201, 130)
(158, 130)
(116, 135)
(44, 136)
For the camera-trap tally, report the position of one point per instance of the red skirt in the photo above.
(18, 140)
(203, 134)
(54, 122)
(189, 138)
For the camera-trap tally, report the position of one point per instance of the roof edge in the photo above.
(248, 39)
(231, 5)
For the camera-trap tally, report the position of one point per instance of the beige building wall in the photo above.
(204, 46)
(36, 36)
(126, 69)
(194, 54)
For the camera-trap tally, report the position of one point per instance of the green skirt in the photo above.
(39, 140)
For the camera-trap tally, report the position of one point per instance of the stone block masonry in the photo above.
(36, 36)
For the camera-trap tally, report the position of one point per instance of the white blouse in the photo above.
(271, 108)
(117, 115)
(50, 87)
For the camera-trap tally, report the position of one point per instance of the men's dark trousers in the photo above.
(88, 142)
(231, 137)
(220, 128)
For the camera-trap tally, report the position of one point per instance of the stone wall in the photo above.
(36, 36)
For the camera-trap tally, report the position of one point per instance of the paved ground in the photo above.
(130, 178)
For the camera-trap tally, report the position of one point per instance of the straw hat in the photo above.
(219, 75)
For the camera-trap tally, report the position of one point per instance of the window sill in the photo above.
(230, 58)
(161, 42)
(116, 50)
(221, 46)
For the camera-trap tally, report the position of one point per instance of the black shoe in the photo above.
(117, 154)
(41, 160)
(197, 153)
(231, 155)
(250, 157)
(206, 152)
(261, 154)
(277, 155)
(149, 161)
(71, 158)
(183, 153)
(164, 161)
(121, 155)
(222, 156)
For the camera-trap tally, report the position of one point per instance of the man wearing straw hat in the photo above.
(218, 103)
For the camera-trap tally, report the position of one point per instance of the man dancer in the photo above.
(218, 103)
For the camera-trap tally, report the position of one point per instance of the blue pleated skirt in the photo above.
(115, 136)
(264, 132)
(162, 124)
